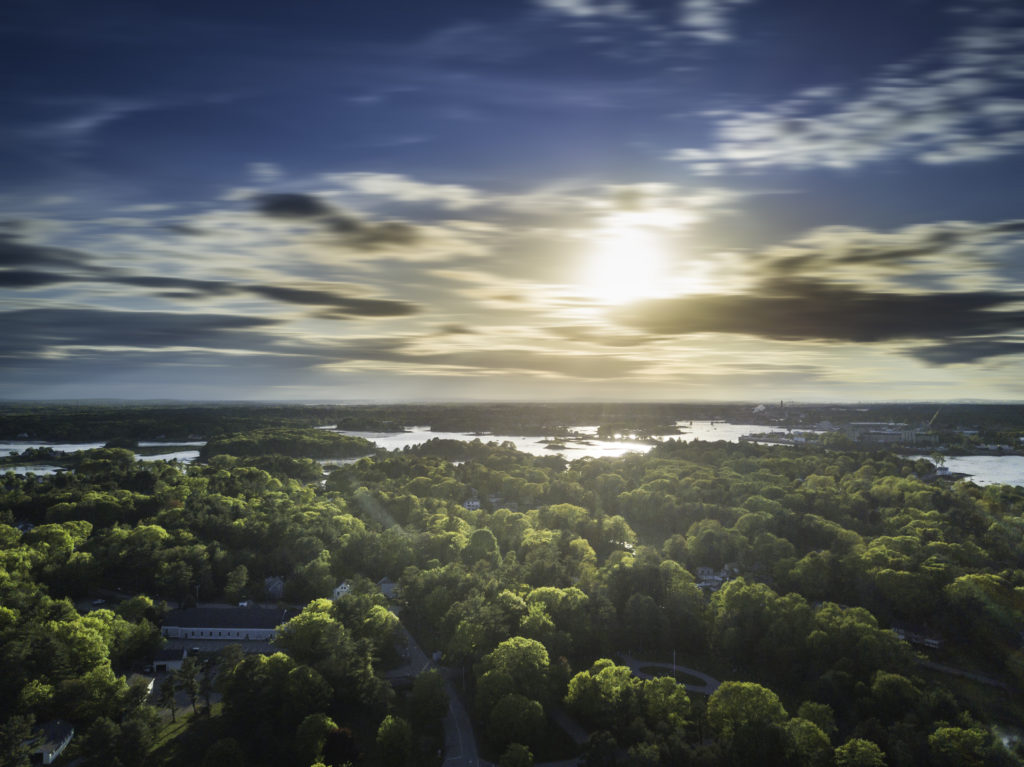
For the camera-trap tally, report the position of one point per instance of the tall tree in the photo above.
(394, 738)
(166, 696)
(186, 680)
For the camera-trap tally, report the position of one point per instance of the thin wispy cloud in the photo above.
(585, 9)
(964, 104)
(402, 188)
(710, 20)
(707, 21)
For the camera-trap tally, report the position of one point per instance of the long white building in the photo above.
(231, 624)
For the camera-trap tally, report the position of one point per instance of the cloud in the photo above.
(335, 305)
(367, 235)
(347, 229)
(14, 252)
(584, 9)
(968, 350)
(23, 279)
(574, 366)
(291, 205)
(961, 105)
(88, 118)
(600, 337)
(184, 229)
(48, 331)
(954, 255)
(455, 329)
(405, 189)
(490, 361)
(264, 172)
(814, 311)
(708, 20)
(954, 286)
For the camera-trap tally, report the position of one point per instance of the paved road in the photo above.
(459, 740)
(416, 660)
(983, 678)
(709, 686)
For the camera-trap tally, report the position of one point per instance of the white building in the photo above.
(53, 737)
(341, 590)
(230, 624)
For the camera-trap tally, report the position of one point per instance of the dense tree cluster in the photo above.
(599, 556)
(779, 570)
(294, 443)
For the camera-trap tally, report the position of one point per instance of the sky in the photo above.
(663, 200)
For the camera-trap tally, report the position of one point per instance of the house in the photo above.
(52, 738)
(917, 637)
(471, 504)
(273, 587)
(341, 590)
(388, 587)
(228, 624)
(712, 580)
(167, 659)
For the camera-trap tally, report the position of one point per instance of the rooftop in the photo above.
(228, 617)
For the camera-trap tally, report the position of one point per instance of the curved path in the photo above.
(459, 740)
(710, 684)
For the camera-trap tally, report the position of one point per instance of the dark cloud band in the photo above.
(805, 311)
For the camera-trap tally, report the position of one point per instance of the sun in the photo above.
(627, 263)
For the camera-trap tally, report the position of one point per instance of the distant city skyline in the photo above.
(724, 200)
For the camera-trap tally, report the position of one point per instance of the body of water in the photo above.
(198, 443)
(718, 431)
(589, 447)
(64, 447)
(183, 456)
(985, 469)
(38, 470)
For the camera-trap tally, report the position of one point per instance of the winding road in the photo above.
(459, 741)
(710, 684)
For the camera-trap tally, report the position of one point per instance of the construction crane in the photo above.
(935, 416)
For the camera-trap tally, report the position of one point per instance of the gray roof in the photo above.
(54, 732)
(167, 653)
(228, 617)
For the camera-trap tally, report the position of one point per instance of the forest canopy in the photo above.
(847, 610)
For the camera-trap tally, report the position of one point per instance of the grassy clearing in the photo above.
(186, 740)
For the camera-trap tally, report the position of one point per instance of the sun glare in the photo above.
(627, 264)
